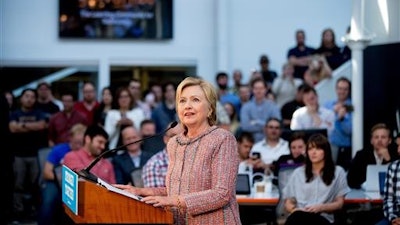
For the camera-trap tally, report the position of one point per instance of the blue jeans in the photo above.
(51, 204)
(384, 221)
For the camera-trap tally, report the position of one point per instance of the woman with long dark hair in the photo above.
(317, 189)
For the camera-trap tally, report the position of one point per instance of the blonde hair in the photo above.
(209, 92)
(78, 128)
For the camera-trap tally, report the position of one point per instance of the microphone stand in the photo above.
(85, 173)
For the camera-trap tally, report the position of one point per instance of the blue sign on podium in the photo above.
(69, 187)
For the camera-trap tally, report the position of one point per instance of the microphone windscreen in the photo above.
(173, 124)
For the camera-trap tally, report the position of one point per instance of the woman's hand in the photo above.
(133, 190)
(314, 208)
(160, 201)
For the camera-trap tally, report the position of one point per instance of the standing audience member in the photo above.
(340, 138)
(89, 104)
(29, 134)
(155, 170)
(391, 194)
(154, 96)
(300, 55)
(95, 140)
(258, 110)
(270, 148)
(130, 160)
(285, 86)
(317, 189)
(312, 115)
(329, 49)
(51, 204)
(6, 164)
(106, 104)
(135, 88)
(244, 95)
(245, 142)
(165, 112)
(379, 153)
(11, 100)
(60, 123)
(203, 163)
(45, 100)
(288, 108)
(125, 114)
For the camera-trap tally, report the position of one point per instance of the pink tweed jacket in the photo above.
(203, 171)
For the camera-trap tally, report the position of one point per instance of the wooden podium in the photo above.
(96, 204)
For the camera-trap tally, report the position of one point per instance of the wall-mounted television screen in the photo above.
(116, 19)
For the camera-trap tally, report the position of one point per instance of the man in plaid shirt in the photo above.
(391, 197)
(155, 169)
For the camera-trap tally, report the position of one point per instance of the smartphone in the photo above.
(349, 108)
(255, 155)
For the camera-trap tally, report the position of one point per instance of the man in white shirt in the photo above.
(312, 115)
(270, 148)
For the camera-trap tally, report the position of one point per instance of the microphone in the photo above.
(86, 172)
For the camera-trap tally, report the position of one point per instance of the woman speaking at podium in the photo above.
(203, 163)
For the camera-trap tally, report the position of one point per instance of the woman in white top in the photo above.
(126, 114)
(317, 189)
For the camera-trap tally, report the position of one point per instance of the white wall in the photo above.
(250, 28)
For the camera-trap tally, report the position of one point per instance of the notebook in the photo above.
(372, 181)
(243, 184)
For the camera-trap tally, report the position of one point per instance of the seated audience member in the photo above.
(297, 147)
(378, 153)
(340, 137)
(288, 108)
(245, 142)
(312, 115)
(154, 144)
(285, 86)
(317, 189)
(155, 169)
(130, 160)
(391, 195)
(317, 70)
(258, 110)
(270, 148)
(267, 74)
(95, 140)
(232, 113)
(51, 208)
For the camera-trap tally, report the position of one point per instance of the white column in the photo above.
(103, 75)
(357, 41)
(357, 91)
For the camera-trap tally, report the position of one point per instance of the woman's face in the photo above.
(316, 155)
(298, 147)
(193, 107)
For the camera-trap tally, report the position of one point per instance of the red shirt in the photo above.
(80, 159)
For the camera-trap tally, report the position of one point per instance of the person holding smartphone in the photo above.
(268, 150)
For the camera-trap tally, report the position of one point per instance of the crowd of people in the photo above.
(255, 126)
